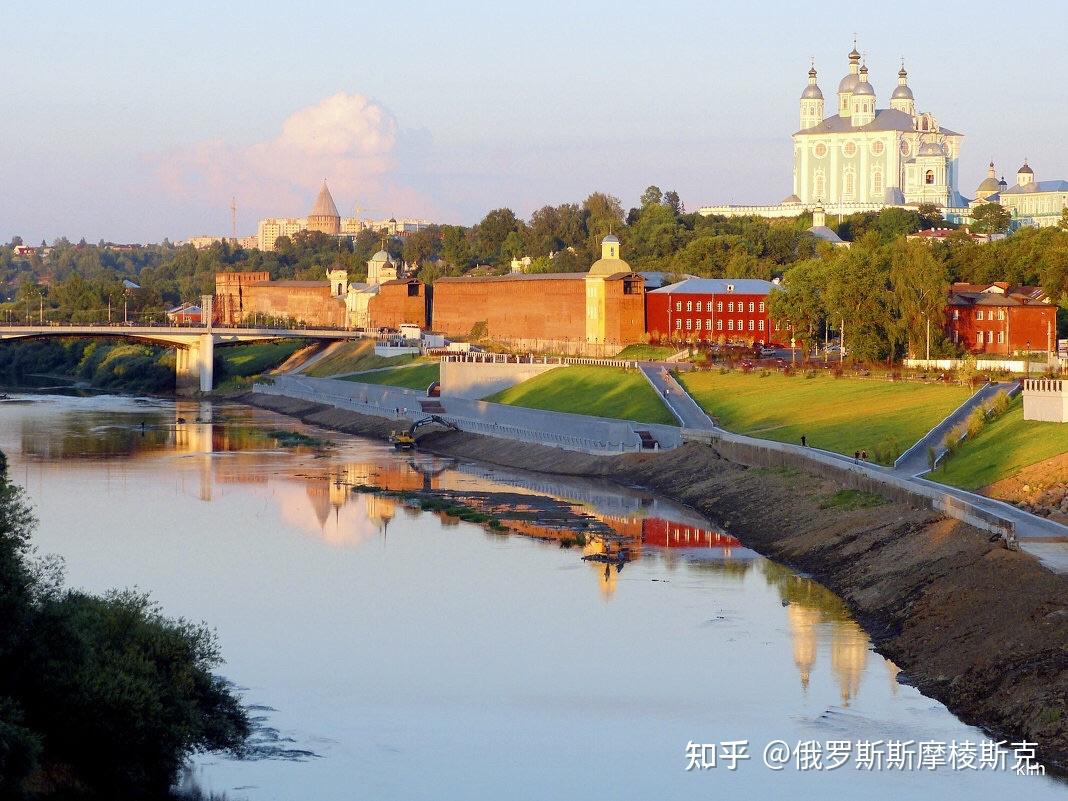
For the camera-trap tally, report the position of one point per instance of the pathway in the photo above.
(914, 461)
(677, 399)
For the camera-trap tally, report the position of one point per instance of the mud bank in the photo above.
(980, 628)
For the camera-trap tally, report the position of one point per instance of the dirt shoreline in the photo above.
(982, 629)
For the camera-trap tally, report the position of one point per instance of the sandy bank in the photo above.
(980, 628)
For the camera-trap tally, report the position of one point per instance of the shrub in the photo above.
(976, 421)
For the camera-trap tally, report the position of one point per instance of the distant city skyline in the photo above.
(129, 123)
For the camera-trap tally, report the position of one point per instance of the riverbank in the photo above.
(980, 628)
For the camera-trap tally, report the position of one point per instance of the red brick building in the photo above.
(1000, 318)
(400, 301)
(711, 309)
(231, 295)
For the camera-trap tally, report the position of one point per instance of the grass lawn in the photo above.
(351, 357)
(247, 360)
(600, 391)
(418, 377)
(845, 415)
(645, 353)
(1002, 449)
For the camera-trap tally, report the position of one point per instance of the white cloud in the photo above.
(347, 139)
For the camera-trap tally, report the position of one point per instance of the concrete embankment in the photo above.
(980, 628)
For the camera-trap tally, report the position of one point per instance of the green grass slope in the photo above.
(1002, 449)
(352, 357)
(257, 357)
(417, 377)
(599, 391)
(845, 415)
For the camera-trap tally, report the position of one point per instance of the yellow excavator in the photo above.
(405, 440)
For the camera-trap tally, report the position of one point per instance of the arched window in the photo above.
(877, 183)
(849, 183)
(928, 177)
(818, 186)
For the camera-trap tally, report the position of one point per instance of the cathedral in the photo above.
(865, 158)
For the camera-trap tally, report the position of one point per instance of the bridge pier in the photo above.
(194, 366)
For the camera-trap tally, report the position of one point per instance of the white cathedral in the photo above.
(863, 158)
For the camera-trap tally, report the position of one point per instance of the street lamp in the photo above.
(1027, 359)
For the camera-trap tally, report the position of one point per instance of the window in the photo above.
(752, 306)
(1001, 337)
(877, 148)
(956, 314)
(719, 306)
(689, 324)
(877, 182)
(1001, 314)
(979, 315)
(818, 186)
(730, 306)
(689, 305)
(678, 324)
(730, 325)
(678, 305)
(761, 325)
(708, 324)
(850, 149)
(697, 324)
(761, 307)
(989, 336)
(978, 337)
(719, 325)
(849, 184)
(751, 324)
(928, 177)
(820, 150)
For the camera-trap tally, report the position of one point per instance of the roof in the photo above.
(790, 199)
(826, 234)
(812, 92)
(294, 284)
(718, 286)
(1025, 169)
(902, 92)
(999, 293)
(1037, 186)
(324, 204)
(886, 119)
(610, 238)
(380, 256)
(512, 277)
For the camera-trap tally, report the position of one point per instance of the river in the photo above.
(390, 653)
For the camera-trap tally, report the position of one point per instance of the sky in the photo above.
(136, 121)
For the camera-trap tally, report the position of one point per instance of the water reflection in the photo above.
(405, 648)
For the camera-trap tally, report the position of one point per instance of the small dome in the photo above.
(812, 71)
(1001, 182)
(864, 88)
(610, 239)
(1025, 170)
(848, 83)
(380, 256)
(988, 185)
(853, 54)
(812, 92)
(902, 93)
(931, 149)
(902, 73)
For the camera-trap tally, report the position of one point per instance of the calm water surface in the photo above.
(393, 655)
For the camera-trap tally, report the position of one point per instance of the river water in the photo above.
(390, 653)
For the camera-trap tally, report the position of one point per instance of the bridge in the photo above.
(195, 346)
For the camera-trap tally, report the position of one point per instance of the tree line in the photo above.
(84, 283)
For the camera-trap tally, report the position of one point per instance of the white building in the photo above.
(864, 158)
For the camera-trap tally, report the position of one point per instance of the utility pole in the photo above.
(928, 341)
(233, 218)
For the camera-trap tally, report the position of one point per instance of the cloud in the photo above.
(347, 139)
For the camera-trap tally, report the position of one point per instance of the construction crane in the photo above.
(233, 217)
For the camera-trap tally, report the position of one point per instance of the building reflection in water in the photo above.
(818, 621)
(225, 446)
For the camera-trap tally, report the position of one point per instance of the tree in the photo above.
(674, 202)
(798, 302)
(920, 285)
(857, 295)
(652, 196)
(454, 247)
(491, 233)
(1063, 224)
(930, 215)
(603, 214)
(990, 218)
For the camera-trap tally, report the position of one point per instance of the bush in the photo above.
(100, 697)
(976, 421)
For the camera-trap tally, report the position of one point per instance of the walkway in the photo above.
(677, 399)
(914, 461)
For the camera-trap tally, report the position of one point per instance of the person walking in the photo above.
(804, 441)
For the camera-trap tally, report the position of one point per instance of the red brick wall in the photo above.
(1022, 324)
(533, 308)
(312, 306)
(732, 319)
(624, 313)
(228, 307)
(394, 304)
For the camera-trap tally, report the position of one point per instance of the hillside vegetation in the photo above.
(1002, 449)
(418, 377)
(844, 415)
(599, 391)
(353, 357)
